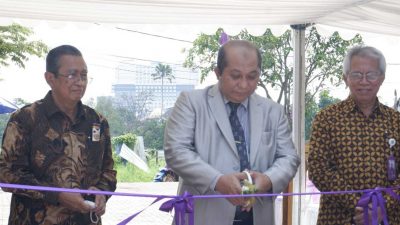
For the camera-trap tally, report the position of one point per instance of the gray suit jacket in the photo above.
(199, 146)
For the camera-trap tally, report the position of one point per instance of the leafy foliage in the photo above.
(5, 117)
(163, 71)
(128, 172)
(15, 46)
(106, 107)
(3, 123)
(312, 108)
(128, 139)
(324, 56)
(131, 173)
(325, 99)
(324, 59)
(124, 115)
(152, 131)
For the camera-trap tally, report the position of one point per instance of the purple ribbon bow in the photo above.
(181, 205)
(374, 196)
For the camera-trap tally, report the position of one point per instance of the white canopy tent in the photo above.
(379, 16)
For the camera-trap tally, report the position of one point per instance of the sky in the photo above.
(104, 46)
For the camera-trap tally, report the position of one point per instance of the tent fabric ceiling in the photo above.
(379, 16)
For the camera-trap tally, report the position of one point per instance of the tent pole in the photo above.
(298, 184)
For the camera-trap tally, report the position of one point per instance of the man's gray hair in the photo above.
(367, 52)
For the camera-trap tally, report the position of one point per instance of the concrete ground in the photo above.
(121, 207)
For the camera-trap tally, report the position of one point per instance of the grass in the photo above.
(130, 173)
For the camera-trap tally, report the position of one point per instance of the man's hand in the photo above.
(229, 184)
(100, 201)
(73, 201)
(261, 181)
(359, 215)
(262, 185)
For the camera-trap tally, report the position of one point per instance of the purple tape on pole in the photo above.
(378, 202)
(182, 205)
(223, 39)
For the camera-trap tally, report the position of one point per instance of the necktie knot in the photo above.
(234, 106)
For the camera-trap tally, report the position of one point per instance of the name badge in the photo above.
(391, 167)
(96, 132)
(391, 162)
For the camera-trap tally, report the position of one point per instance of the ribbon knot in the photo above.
(378, 202)
(182, 205)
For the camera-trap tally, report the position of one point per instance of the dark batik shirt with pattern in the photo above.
(349, 151)
(43, 147)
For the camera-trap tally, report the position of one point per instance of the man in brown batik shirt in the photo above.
(58, 142)
(349, 145)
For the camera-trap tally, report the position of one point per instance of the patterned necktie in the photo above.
(238, 134)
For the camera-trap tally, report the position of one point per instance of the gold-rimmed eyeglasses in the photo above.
(370, 76)
(75, 77)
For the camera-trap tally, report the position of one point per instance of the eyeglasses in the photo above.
(75, 77)
(370, 76)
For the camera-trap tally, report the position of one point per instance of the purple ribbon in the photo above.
(374, 196)
(126, 221)
(182, 205)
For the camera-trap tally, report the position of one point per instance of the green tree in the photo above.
(324, 56)
(106, 107)
(19, 102)
(3, 123)
(325, 99)
(124, 114)
(312, 108)
(152, 131)
(129, 139)
(163, 72)
(15, 46)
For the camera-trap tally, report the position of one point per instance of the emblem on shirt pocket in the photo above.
(96, 132)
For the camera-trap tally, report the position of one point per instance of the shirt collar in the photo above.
(245, 103)
(351, 106)
(51, 108)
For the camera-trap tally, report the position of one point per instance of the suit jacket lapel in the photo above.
(256, 117)
(219, 112)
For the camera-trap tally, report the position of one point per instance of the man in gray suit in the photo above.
(201, 147)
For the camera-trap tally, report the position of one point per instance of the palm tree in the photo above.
(163, 71)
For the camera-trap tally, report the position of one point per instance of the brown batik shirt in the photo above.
(43, 147)
(349, 151)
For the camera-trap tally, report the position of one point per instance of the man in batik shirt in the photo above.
(58, 142)
(349, 145)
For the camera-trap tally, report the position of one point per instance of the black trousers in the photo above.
(243, 217)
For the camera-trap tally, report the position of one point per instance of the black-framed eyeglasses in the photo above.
(75, 77)
(370, 76)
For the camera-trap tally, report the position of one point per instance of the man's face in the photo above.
(70, 91)
(240, 77)
(364, 90)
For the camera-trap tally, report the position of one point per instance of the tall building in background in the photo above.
(135, 85)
